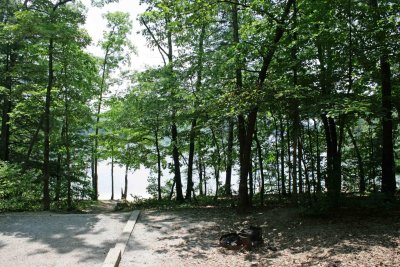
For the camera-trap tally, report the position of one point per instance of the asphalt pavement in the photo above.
(56, 240)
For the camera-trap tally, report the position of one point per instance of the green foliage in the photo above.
(19, 189)
(199, 202)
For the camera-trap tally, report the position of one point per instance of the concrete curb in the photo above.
(114, 254)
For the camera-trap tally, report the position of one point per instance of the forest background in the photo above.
(300, 99)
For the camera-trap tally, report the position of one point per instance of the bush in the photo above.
(19, 189)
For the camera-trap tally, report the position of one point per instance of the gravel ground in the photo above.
(190, 238)
(56, 240)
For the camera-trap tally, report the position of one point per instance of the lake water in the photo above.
(137, 181)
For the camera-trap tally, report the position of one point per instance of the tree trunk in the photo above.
(333, 179)
(112, 173)
(189, 187)
(46, 154)
(68, 152)
(289, 159)
(282, 153)
(300, 155)
(177, 168)
(172, 189)
(295, 114)
(5, 119)
(158, 164)
(201, 179)
(124, 195)
(277, 157)
(311, 153)
(251, 184)
(318, 154)
(229, 160)
(246, 125)
(260, 162)
(360, 162)
(216, 164)
(388, 164)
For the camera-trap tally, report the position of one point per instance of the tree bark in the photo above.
(6, 110)
(189, 187)
(46, 152)
(388, 164)
(246, 124)
(112, 173)
(318, 155)
(158, 163)
(229, 160)
(260, 162)
(282, 154)
(177, 168)
(125, 192)
(360, 162)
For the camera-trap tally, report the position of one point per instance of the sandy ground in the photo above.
(190, 238)
(48, 239)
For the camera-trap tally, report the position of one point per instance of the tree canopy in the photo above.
(292, 98)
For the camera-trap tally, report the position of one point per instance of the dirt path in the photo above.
(190, 238)
(101, 206)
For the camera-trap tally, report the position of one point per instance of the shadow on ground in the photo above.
(191, 237)
(48, 239)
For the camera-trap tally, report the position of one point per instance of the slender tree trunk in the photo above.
(201, 182)
(282, 153)
(177, 168)
(277, 157)
(189, 187)
(251, 184)
(372, 163)
(218, 163)
(360, 162)
(260, 162)
(229, 160)
(58, 176)
(388, 164)
(294, 162)
(318, 154)
(125, 193)
(306, 176)
(158, 163)
(295, 112)
(172, 189)
(205, 179)
(67, 151)
(311, 153)
(112, 173)
(289, 159)
(33, 141)
(46, 154)
(5, 119)
(300, 155)
(95, 176)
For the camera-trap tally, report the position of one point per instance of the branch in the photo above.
(154, 38)
(62, 2)
(278, 35)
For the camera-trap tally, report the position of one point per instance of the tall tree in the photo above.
(117, 48)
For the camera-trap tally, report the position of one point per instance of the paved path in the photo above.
(56, 240)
